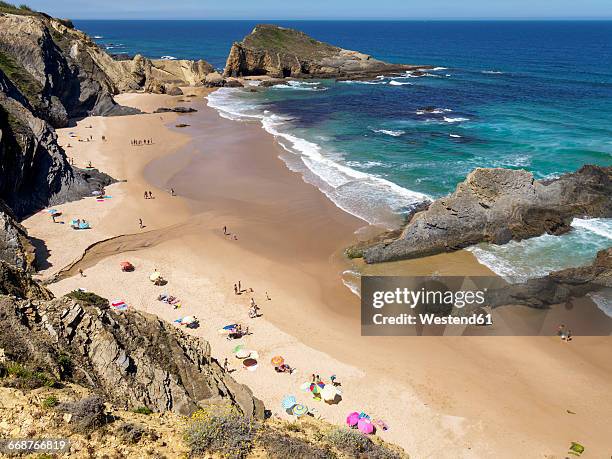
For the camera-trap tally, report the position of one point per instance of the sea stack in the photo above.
(280, 52)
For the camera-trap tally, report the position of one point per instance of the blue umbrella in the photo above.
(289, 402)
(229, 327)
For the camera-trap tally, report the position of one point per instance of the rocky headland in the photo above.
(497, 206)
(279, 52)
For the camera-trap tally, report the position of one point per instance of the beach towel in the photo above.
(119, 305)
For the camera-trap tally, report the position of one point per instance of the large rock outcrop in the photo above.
(499, 205)
(58, 69)
(133, 359)
(280, 52)
(15, 247)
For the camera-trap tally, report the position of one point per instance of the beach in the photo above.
(441, 397)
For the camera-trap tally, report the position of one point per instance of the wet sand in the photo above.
(442, 397)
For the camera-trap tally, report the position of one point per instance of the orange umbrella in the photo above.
(277, 360)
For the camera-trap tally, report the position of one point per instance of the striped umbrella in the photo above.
(300, 410)
(289, 402)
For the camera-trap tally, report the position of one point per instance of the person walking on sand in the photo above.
(235, 289)
(172, 192)
(239, 287)
(146, 195)
(225, 230)
(268, 296)
(225, 365)
(140, 223)
(82, 274)
(150, 194)
(569, 336)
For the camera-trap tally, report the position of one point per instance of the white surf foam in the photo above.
(366, 196)
(455, 136)
(168, 58)
(300, 86)
(603, 300)
(399, 83)
(458, 119)
(492, 72)
(389, 132)
(435, 111)
(536, 257)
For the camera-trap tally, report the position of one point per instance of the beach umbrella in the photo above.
(289, 402)
(250, 364)
(230, 327)
(329, 393)
(300, 410)
(237, 348)
(243, 354)
(315, 388)
(352, 419)
(53, 211)
(277, 360)
(305, 387)
(365, 426)
(254, 355)
(154, 276)
(188, 320)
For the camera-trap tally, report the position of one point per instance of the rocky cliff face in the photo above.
(498, 205)
(280, 52)
(56, 68)
(131, 358)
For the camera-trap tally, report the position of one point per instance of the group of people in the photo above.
(253, 309)
(565, 333)
(148, 195)
(136, 142)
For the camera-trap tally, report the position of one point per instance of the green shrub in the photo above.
(355, 444)
(49, 402)
(89, 298)
(143, 410)
(279, 446)
(221, 430)
(24, 378)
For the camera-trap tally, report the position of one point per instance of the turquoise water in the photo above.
(532, 95)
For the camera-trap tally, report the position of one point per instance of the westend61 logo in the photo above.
(425, 305)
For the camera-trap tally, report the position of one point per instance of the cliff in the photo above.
(131, 358)
(499, 205)
(280, 52)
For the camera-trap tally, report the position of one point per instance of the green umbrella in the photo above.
(237, 348)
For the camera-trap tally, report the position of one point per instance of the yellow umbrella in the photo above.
(277, 360)
(154, 276)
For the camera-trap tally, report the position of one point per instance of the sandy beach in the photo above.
(448, 397)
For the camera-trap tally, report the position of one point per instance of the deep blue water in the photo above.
(533, 95)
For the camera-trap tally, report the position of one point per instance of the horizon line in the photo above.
(479, 19)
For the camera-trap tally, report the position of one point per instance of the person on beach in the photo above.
(561, 331)
(146, 195)
(225, 230)
(81, 273)
(239, 287)
(150, 194)
(268, 297)
(569, 336)
(235, 289)
(140, 223)
(53, 218)
(225, 365)
(172, 192)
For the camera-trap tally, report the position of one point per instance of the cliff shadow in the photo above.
(41, 254)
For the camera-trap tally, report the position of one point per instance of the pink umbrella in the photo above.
(365, 426)
(352, 419)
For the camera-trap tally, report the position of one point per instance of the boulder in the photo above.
(499, 205)
(281, 52)
(214, 79)
(174, 91)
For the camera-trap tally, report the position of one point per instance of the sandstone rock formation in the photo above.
(280, 52)
(131, 358)
(499, 205)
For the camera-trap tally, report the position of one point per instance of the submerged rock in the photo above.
(175, 110)
(281, 52)
(499, 205)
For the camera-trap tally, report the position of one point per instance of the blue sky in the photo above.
(325, 9)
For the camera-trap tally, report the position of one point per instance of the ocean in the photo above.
(531, 95)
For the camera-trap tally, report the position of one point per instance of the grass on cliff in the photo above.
(27, 85)
(14, 9)
(88, 298)
(288, 40)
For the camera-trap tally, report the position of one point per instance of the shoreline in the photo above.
(258, 191)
